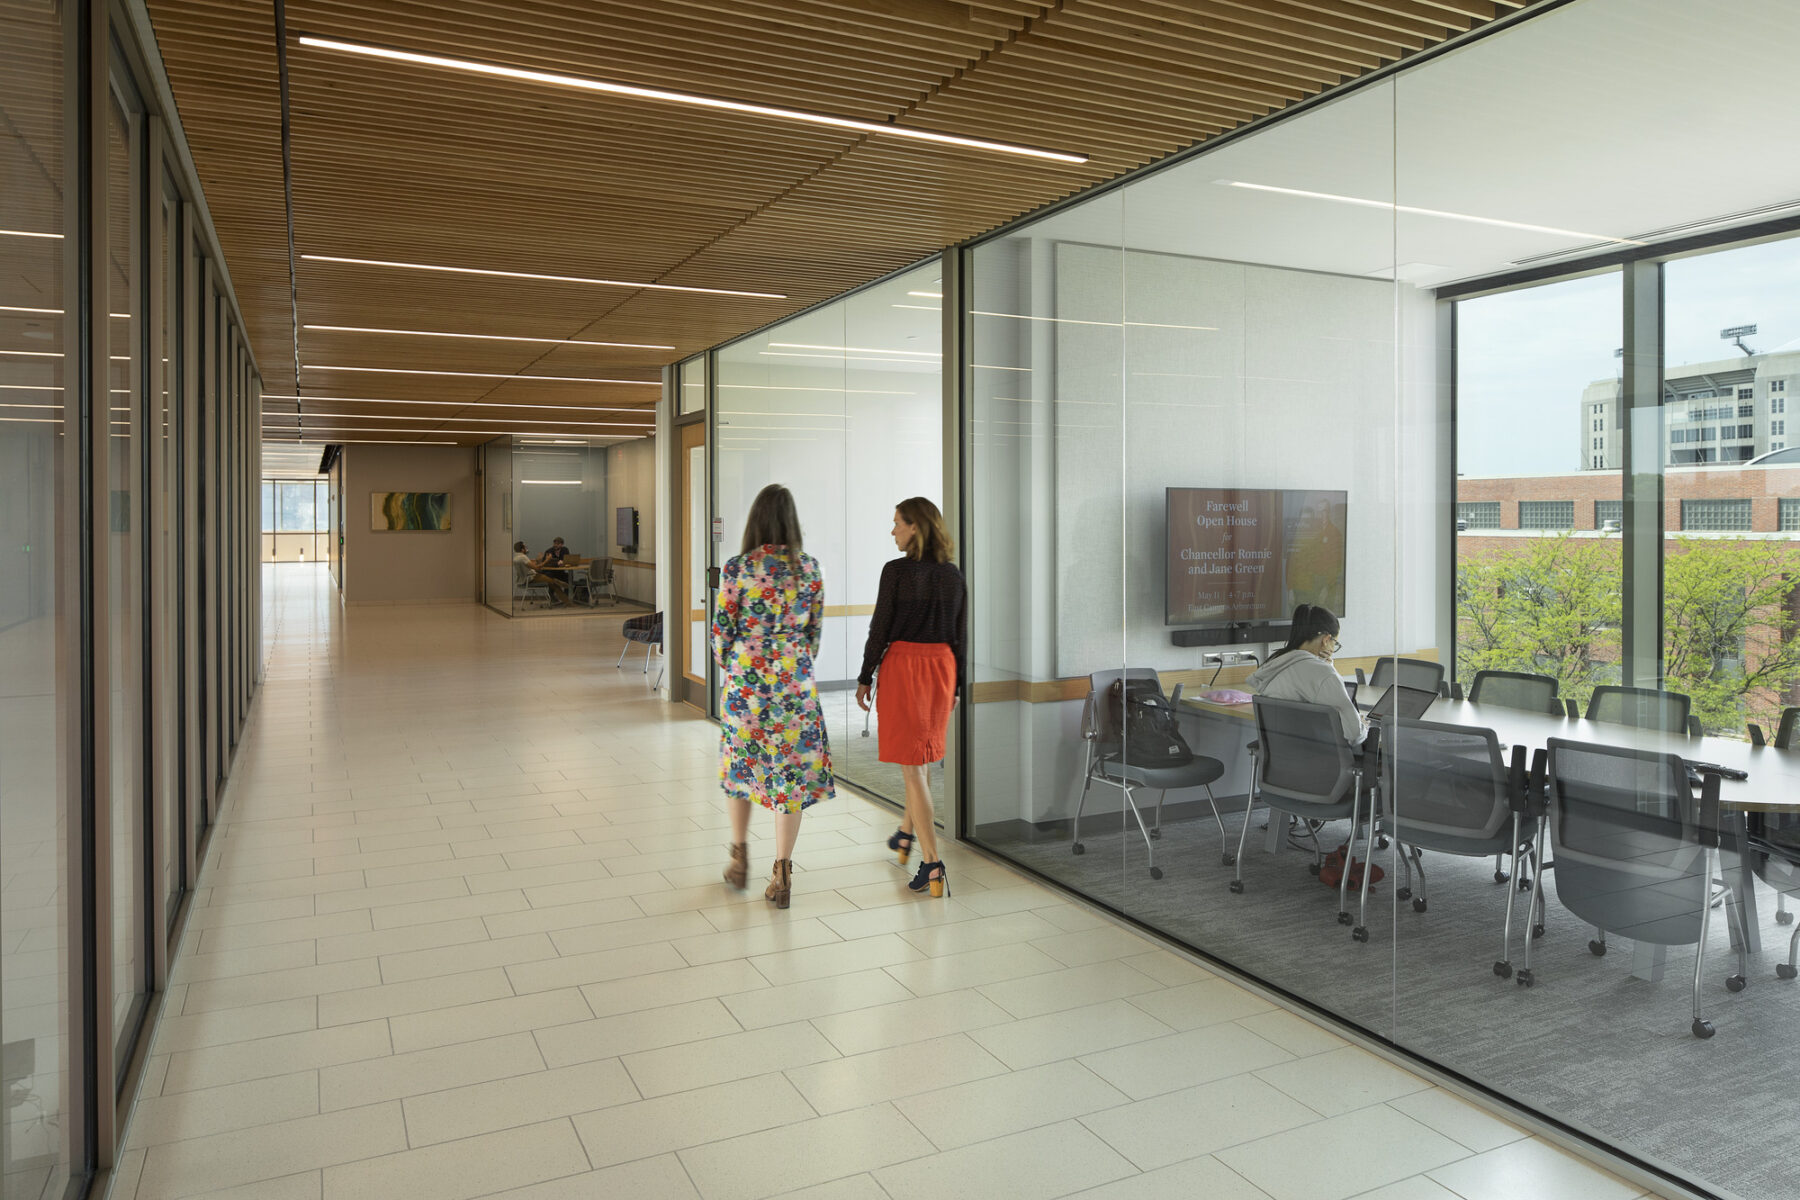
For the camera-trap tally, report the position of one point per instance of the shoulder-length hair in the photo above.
(773, 521)
(930, 541)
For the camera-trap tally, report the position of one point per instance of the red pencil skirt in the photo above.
(913, 695)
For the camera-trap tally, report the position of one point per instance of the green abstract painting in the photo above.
(409, 510)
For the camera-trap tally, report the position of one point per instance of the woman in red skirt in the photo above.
(916, 639)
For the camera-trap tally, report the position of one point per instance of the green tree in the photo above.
(1547, 605)
(1728, 628)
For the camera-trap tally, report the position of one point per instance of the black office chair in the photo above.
(1637, 851)
(649, 631)
(1767, 825)
(1516, 689)
(1108, 762)
(1413, 672)
(1774, 850)
(1641, 708)
(1453, 793)
(1784, 732)
(1305, 768)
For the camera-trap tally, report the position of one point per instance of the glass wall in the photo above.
(550, 536)
(842, 405)
(296, 520)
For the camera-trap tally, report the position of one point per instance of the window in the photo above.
(1777, 385)
(1716, 516)
(1609, 510)
(1746, 410)
(1546, 514)
(1478, 514)
(1778, 428)
(1745, 393)
(1790, 516)
(1778, 404)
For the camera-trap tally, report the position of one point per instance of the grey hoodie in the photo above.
(1298, 675)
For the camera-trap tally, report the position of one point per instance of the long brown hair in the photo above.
(773, 521)
(931, 541)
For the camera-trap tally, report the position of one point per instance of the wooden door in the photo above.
(692, 627)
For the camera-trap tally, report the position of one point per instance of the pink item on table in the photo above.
(1227, 696)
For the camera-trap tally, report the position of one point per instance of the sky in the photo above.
(1524, 357)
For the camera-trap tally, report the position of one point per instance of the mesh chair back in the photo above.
(1402, 701)
(1641, 708)
(1105, 716)
(1516, 689)
(1411, 672)
(1303, 751)
(1449, 780)
(1784, 735)
(1627, 837)
(521, 575)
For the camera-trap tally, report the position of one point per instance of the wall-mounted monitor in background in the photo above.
(1252, 554)
(626, 534)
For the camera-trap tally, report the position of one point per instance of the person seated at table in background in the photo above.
(1302, 670)
(525, 571)
(557, 555)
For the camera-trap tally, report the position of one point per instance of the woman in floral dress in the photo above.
(765, 636)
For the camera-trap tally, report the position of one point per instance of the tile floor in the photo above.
(461, 933)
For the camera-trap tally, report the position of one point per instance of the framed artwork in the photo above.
(409, 511)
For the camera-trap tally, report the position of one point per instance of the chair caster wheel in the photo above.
(1783, 971)
(1360, 934)
(1078, 848)
(1419, 904)
(1524, 885)
(1403, 893)
(1597, 949)
(1736, 983)
(1537, 931)
(1156, 872)
(1702, 1029)
(1381, 843)
(1229, 860)
(1237, 887)
(1343, 918)
(1526, 978)
(1784, 918)
(1156, 834)
(1501, 877)
(1503, 970)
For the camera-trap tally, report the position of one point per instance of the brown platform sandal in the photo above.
(780, 882)
(737, 872)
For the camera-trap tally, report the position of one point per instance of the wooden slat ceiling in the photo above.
(413, 163)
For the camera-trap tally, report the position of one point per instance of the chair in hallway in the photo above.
(1637, 851)
(648, 630)
(1447, 789)
(1303, 766)
(1108, 762)
(1641, 708)
(1419, 673)
(1516, 689)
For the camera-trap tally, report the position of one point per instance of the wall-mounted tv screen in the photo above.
(1252, 554)
(626, 531)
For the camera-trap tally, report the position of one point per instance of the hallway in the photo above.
(461, 933)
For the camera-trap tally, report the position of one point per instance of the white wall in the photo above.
(631, 483)
(392, 567)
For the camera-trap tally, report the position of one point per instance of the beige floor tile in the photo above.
(253, 960)
(1206, 1002)
(1033, 995)
(972, 968)
(591, 913)
(849, 1143)
(1178, 1125)
(1076, 1031)
(423, 891)
(1205, 1176)
(1183, 1060)
(156, 1119)
(405, 940)
(693, 1065)
(297, 929)
(746, 1106)
(627, 962)
(239, 991)
(627, 1033)
(659, 1178)
(307, 1185)
(1291, 1032)
(973, 932)
(768, 938)
(914, 1019)
(1457, 1119)
(672, 987)
(814, 998)
(428, 911)
(1341, 1156)
(1419, 1187)
(234, 1159)
(633, 930)
(1531, 1168)
(1051, 1161)
(1341, 1080)
(851, 1187)
(284, 1054)
(989, 1108)
(1091, 946)
(490, 1018)
(850, 922)
(255, 912)
(417, 995)
(476, 1166)
(175, 1033)
(448, 867)
(413, 1073)
(523, 1099)
(924, 1066)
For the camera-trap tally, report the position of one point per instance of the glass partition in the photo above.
(550, 536)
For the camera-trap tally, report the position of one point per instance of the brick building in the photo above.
(1726, 499)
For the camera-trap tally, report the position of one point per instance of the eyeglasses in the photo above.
(1332, 645)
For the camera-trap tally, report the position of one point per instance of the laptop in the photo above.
(1409, 703)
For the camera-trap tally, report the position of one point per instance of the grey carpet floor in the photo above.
(1589, 1044)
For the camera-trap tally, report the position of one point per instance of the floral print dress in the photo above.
(770, 616)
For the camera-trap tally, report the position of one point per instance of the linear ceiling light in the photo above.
(856, 349)
(316, 416)
(487, 337)
(655, 383)
(927, 295)
(1426, 212)
(282, 425)
(915, 362)
(360, 441)
(644, 93)
(777, 387)
(29, 234)
(555, 482)
(29, 387)
(460, 403)
(618, 283)
(53, 312)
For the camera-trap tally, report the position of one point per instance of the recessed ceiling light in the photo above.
(1361, 202)
(457, 403)
(856, 349)
(618, 283)
(487, 337)
(655, 383)
(643, 93)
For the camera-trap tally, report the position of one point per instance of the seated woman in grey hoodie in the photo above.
(1302, 670)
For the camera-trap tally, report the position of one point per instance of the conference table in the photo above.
(1772, 786)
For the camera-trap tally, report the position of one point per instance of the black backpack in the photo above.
(1144, 725)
